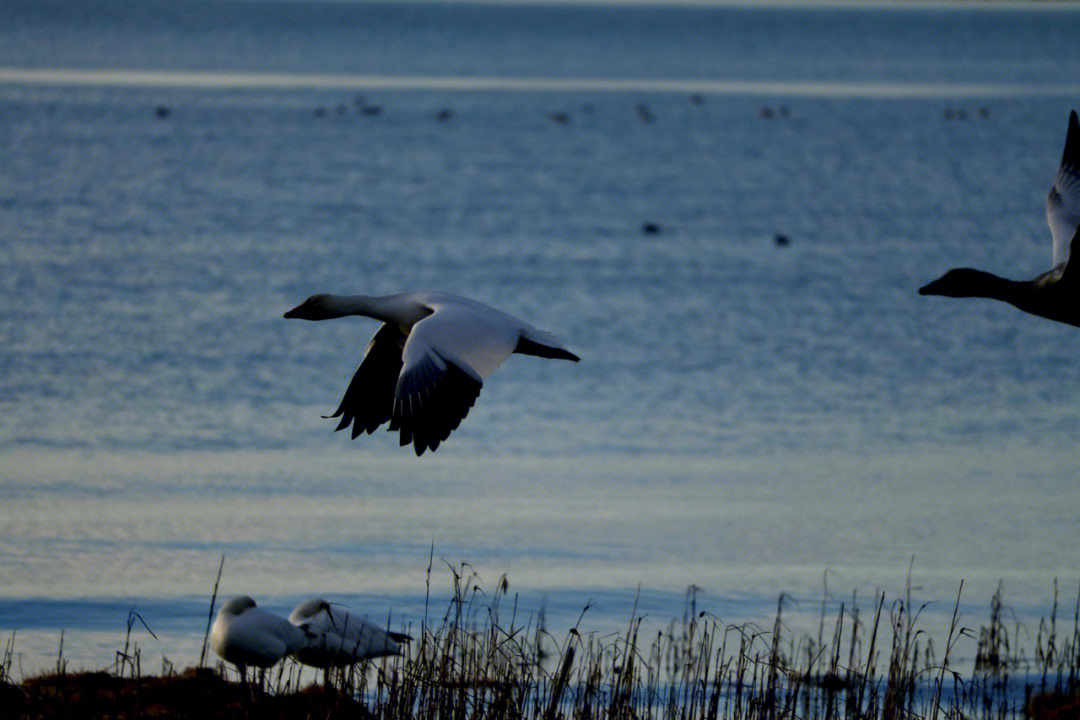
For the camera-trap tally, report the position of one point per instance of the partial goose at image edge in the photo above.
(1055, 294)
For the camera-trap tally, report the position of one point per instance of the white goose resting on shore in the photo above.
(244, 634)
(339, 639)
(425, 366)
(1055, 294)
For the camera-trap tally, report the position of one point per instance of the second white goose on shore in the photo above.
(338, 638)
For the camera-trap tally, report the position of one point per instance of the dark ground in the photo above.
(192, 694)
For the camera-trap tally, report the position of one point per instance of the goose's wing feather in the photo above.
(359, 638)
(446, 357)
(280, 628)
(369, 399)
(1063, 203)
(256, 637)
(338, 638)
(258, 649)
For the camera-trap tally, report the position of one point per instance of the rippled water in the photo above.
(749, 417)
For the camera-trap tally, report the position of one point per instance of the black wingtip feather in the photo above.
(1070, 157)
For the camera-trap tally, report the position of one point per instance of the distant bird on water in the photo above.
(1055, 294)
(339, 639)
(425, 366)
(244, 634)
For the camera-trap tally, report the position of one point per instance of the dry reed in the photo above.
(482, 659)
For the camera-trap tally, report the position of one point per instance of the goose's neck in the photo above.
(988, 285)
(366, 305)
(1025, 295)
(388, 308)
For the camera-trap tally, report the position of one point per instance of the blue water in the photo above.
(751, 418)
(530, 40)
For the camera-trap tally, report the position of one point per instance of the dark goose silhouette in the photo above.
(1055, 294)
(425, 366)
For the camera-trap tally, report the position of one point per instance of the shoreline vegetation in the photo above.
(480, 661)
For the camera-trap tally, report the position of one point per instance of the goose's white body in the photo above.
(425, 366)
(244, 634)
(337, 638)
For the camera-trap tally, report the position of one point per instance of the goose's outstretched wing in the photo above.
(446, 358)
(369, 399)
(1063, 203)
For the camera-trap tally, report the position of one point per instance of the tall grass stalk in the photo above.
(6, 658)
(210, 615)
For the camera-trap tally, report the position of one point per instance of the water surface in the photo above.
(748, 417)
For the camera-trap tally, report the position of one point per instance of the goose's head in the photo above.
(307, 610)
(237, 605)
(316, 307)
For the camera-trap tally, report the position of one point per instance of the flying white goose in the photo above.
(337, 638)
(1055, 294)
(425, 366)
(244, 634)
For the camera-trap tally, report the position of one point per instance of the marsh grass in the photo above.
(481, 658)
(7, 658)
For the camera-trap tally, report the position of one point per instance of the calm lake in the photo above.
(751, 417)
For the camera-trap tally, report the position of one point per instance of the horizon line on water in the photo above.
(242, 80)
(915, 5)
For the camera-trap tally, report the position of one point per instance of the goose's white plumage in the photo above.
(424, 367)
(337, 638)
(1055, 294)
(244, 634)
